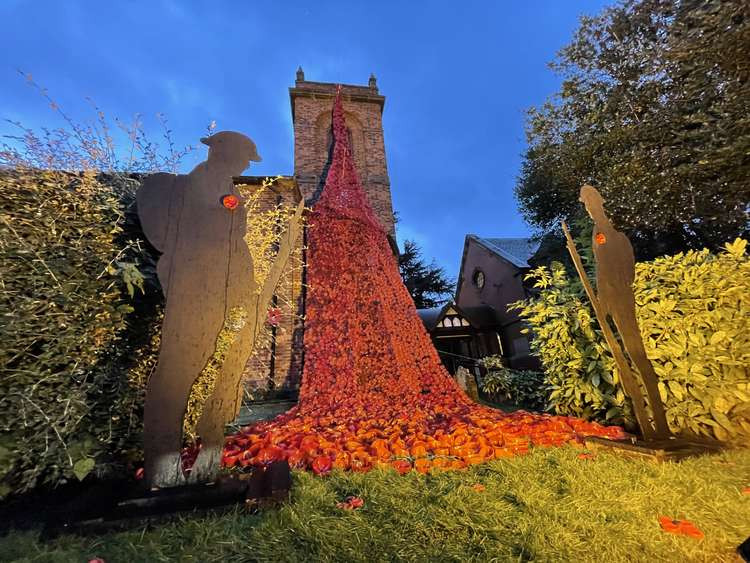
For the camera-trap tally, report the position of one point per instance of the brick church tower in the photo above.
(311, 113)
(278, 371)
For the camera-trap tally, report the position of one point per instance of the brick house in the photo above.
(491, 275)
(461, 335)
(277, 372)
(490, 278)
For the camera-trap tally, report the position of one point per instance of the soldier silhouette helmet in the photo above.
(234, 149)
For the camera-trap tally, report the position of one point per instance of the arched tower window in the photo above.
(329, 141)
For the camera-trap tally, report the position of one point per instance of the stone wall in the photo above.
(279, 366)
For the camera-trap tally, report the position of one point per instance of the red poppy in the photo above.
(269, 455)
(230, 201)
(274, 316)
(351, 503)
(322, 465)
(600, 238)
(402, 466)
(680, 527)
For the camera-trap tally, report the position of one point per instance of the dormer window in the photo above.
(453, 321)
(478, 279)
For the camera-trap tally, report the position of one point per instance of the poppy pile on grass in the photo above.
(374, 391)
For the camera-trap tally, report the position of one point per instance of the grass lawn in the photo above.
(546, 506)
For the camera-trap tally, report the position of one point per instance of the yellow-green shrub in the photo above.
(694, 313)
(578, 367)
(71, 325)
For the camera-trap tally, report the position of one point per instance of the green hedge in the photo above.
(76, 327)
(694, 314)
(524, 388)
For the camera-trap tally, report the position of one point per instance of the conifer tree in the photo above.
(428, 284)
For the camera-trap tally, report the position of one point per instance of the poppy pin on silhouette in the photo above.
(230, 201)
(274, 316)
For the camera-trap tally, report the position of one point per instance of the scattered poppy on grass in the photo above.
(585, 455)
(351, 503)
(680, 527)
(478, 487)
(746, 491)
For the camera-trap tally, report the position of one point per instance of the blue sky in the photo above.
(457, 76)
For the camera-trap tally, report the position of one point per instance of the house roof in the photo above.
(517, 251)
(430, 317)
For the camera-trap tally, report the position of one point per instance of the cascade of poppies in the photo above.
(365, 346)
(374, 390)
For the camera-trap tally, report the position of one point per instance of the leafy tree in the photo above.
(653, 112)
(428, 284)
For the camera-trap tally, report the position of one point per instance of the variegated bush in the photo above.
(694, 313)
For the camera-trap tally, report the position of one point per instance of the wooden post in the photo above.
(627, 378)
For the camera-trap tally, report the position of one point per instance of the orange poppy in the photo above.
(680, 527)
(322, 465)
(422, 465)
(230, 201)
(401, 465)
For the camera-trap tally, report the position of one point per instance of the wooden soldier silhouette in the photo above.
(198, 223)
(615, 273)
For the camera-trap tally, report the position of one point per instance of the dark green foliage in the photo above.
(428, 284)
(653, 111)
(76, 326)
(524, 388)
